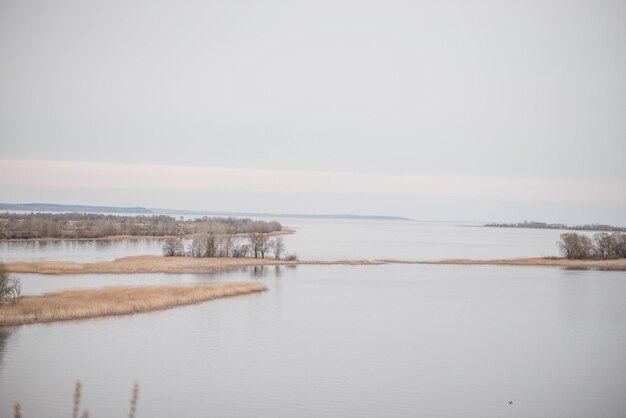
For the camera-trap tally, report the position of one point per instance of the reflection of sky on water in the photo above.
(5, 334)
(35, 284)
(383, 340)
(77, 250)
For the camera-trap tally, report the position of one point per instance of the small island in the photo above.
(544, 225)
(16, 226)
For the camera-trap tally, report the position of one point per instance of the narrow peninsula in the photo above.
(109, 301)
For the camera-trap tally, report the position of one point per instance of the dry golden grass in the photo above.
(545, 262)
(160, 264)
(141, 264)
(91, 303)
(345, 262)
(177, 265)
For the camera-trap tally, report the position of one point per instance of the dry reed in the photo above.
(91, 303)
(76, 400)
(160, 264)
(142, 264)
(178, 265)
(76, 407)
(133, 401)
(540, 262)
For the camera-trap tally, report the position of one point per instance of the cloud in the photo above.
(106, 176)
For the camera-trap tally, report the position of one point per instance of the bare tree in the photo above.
(240, 250)
(173, 247)
(209, 245)
(575, 246)
(618, 242)
(10, 287)
(226, 244)
(278, 247)
(603, 246)
(264, 246)
(567, 244)
(196, 247)
(258, 243)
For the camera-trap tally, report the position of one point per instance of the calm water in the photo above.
(332, 240)
(351, 341)
(340, 239)
(36, 284)
(437, 341)
(79, 251)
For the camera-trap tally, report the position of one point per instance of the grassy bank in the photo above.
(541, 262)
(92, 303)
(178, 265)
(140, 264)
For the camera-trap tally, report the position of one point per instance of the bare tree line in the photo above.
(602, 245)
(544, 225)
(254, 244)
(86, 225)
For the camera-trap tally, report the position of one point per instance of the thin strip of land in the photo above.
(141, 264)
(108, 301)
(191, 265)
(160, 264)
(619, 263)
(543, 225)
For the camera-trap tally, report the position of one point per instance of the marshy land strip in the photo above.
(180, 265)
(109, 301)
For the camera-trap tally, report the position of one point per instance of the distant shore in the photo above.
(564, 227)
(283, 231)
(109, 301)
(190, 265)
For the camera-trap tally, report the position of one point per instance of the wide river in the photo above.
(349, 341)
(333, 240)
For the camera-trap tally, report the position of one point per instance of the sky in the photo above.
(435, 110)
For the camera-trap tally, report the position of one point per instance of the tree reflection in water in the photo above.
(5, 334)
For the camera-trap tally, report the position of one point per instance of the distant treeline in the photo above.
(86, 225)
(602, 245)
(52, 207)
(543, 225)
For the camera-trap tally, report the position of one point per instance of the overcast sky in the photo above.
(447, 110)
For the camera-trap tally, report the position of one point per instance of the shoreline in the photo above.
(72, 305)
(283, 231)
(561, 227)
(189, 265)
(617, 264)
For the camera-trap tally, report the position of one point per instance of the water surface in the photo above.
(77, 250)
(351, 341)
(333, 240)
